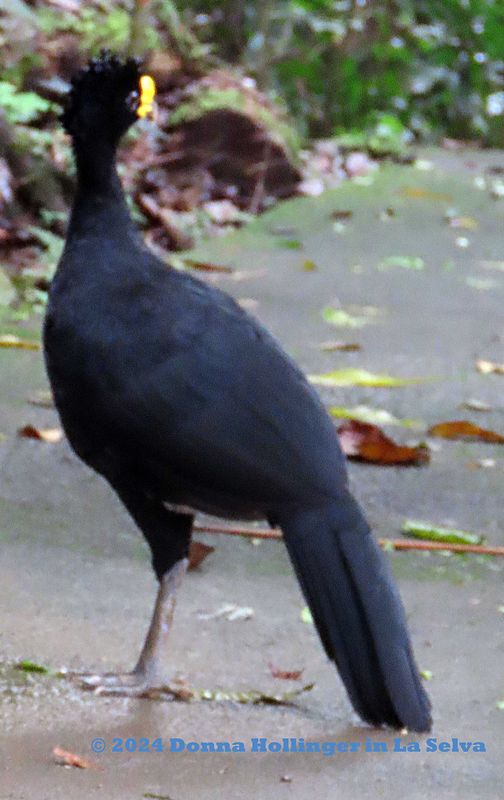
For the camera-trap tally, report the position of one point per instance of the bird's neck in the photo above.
(100, 205)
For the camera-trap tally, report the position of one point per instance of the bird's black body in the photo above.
(178, 397)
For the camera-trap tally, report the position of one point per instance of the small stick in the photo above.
(397, 544)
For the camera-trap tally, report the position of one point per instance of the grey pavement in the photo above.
(76, 588)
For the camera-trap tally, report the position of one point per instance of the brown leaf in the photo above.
(49, 435)
(365, 442)
(68, 759)
(341, 216)
(464, 223)
(489, 367)
(9, 341)
(204, 266)
(197, 554)
(285, 675)
(331, 346)
(462, 429)
(418, 193)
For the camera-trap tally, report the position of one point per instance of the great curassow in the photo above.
(184, 403)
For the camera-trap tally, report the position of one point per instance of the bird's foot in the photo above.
(127, 684)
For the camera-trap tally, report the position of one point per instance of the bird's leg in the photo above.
(147, 675)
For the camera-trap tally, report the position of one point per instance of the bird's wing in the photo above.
(224, 406)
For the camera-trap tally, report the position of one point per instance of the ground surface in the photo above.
(76, 588)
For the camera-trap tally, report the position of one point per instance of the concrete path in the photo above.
(75, 582)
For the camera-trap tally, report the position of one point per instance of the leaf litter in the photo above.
(67, 759)
(249, 697)
(48, 435)
(333, 345)
(403, 262)
(473, 404)
(373, 416)
(343, 319)
(230, 611)
(468, 431)
(198, 551)
(365, 442)
(353, 376)
(285, 674)
(489, 367)
(11, 342)
(437, 533)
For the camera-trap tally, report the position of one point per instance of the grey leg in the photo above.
(146, 677)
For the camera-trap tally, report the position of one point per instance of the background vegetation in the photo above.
(434, 66)
(373, 73)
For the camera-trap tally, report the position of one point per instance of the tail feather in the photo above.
(358, 612)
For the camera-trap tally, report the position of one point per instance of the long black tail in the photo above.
(358, 612)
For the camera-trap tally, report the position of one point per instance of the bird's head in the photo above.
(106, 98)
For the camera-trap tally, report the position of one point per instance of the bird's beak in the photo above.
(147, 106)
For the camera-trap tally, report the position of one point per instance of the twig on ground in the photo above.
(395, 544)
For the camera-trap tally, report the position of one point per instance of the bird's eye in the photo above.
(132, 100)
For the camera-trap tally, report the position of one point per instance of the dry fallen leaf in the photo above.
(365, 442)
(372, 416)
(475, 405)
(230, 611)
(67, 759)
(489, 367)
(204, 266)
(353, 376)
(462, 429)
(49, 435)
(198, 551)
(340, 216)
(42, 398)
(285, 674)
(343, 319)
(9, 341)
(482, 463)
(331, 346)
(463, 223)
(417, 193)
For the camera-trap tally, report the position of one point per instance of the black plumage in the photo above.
(183, 402)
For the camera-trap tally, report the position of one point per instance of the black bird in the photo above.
(185, 403)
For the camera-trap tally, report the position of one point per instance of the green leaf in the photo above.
(404, 262)
(373, 416)
(342, 319)
(306, 616)
(21, 107)
(290, 244)
(30, 666)
(360, 377)
(436, 533)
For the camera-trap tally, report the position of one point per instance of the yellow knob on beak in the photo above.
(147, 95)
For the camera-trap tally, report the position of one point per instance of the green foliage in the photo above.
(437, 66)
(381, 70)
(21, 107)
(384, 135)
(96, 27)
